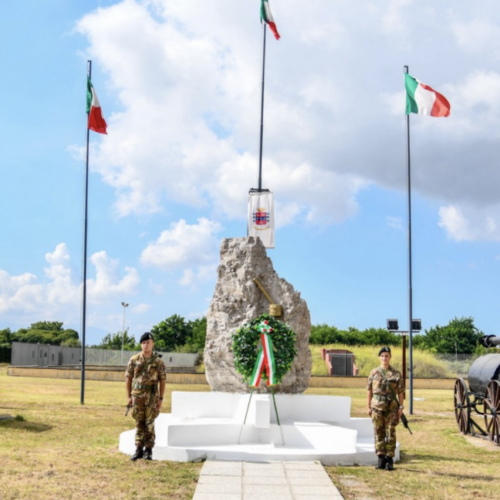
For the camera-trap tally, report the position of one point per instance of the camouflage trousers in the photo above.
(145, 412)
(385, 430)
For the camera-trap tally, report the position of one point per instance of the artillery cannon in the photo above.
(483, 395)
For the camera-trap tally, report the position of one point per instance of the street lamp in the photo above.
(125, 305)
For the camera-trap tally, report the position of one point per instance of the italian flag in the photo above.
(265, 357)
(423, 100)
(96, 121)
(267, 17)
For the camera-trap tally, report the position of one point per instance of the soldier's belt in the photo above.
(383, 399)
(144, 387)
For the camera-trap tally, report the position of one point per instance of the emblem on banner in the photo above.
(261, 219)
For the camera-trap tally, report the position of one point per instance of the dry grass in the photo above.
(437, 463)
(67, 451)
(64, 450)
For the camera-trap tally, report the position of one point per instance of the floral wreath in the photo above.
(248, 353)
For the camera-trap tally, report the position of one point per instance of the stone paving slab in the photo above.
(264, 480)
(221, 480)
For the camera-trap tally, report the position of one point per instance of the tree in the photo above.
(5, 345)
(197, 336)
(324, 334)
(71, 343)
(5, 337)
(45, 332)
(459, 335)
(115, 340)
(51, 326)
(171, 333)
(381, 336)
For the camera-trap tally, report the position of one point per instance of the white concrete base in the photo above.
(210, 425)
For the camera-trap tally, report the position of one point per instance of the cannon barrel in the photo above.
(490, 341)
(482, 371)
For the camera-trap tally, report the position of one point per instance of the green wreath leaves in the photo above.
(246, 346)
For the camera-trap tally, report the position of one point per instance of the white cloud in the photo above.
(190, 248)
(196, 90)
(479, 36)
(470, 224)
(188, 85)
(394, 19)
(141, 308)
(107, 283)
(58, 294)
(395, 222)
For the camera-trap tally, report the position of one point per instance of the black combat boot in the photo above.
(139, 453)
(381, 462)
(389, 464)
(148, 454)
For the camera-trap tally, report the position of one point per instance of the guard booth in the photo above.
(340, 362)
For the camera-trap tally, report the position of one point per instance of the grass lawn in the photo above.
(63, 450)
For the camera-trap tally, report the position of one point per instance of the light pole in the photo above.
(125, 305)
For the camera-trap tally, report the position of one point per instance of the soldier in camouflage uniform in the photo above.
(145, 372)
(384, 410)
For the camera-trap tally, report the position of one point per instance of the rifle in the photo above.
(404, 420)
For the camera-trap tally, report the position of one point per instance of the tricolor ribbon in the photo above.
(265, 357)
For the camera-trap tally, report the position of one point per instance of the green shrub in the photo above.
(5, 353)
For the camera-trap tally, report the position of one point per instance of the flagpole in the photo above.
(410, 289)
(262, 106)
(85, 226)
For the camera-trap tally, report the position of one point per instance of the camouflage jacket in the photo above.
(380, 389)
(145, 373)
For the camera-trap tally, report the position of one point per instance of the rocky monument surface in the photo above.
(237, 300)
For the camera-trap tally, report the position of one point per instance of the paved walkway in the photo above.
(265, 481)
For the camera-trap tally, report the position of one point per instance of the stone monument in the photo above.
(236, 300)
(227, 424)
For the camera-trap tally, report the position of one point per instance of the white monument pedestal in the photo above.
(210, 425)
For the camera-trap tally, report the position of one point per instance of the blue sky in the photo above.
(179, 84)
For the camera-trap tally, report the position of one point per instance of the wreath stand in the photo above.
(275, 310)
(275, 411)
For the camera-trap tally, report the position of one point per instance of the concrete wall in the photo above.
(26, 354)
(97, 373)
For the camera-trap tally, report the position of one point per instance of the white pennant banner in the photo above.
(261, 217)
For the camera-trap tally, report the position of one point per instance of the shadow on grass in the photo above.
(408, 459)
(25, 426)
(476, 477)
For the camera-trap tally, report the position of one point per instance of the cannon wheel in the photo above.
(462, 406)
(492, 411)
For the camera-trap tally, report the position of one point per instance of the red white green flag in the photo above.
(96, 121)
(267, 17)
(265, 357)
(424, 100)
